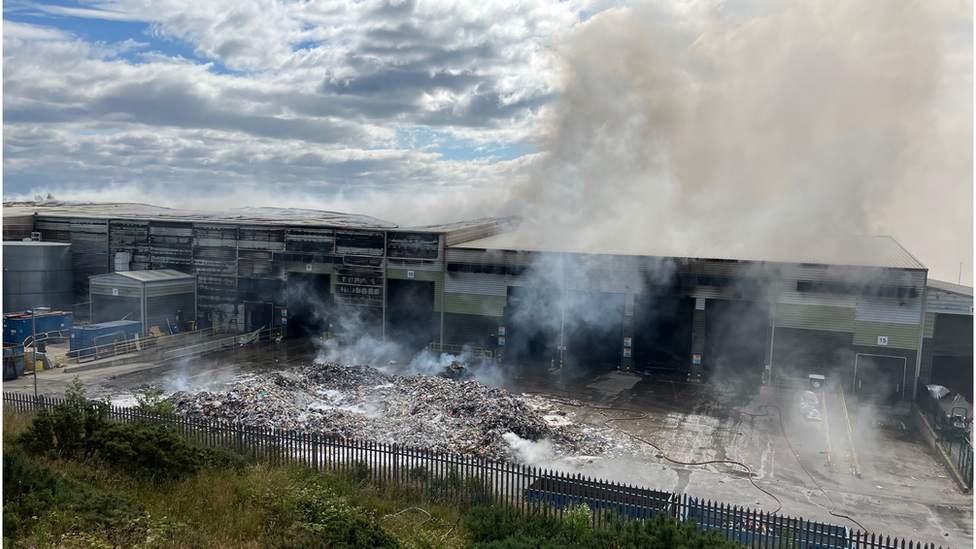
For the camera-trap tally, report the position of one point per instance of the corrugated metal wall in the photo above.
(473, 304)
(948, 303)
(255, 249)
(815, 317)
(107, 308)
(89, 254)
(899, 336)
(131, 237)
(162, 309)
(698, 336)
(214, 257)
(953, 335)
(171, 246)
(925, 368)
(890, 310)
(362, 243)
(17, 227)
(53, 229)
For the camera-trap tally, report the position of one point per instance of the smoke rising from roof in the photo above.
(686, 124)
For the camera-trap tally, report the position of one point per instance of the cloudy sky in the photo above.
(678, 114)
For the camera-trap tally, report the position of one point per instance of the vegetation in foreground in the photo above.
(73, 478)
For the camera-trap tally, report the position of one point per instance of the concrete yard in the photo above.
(903, 490)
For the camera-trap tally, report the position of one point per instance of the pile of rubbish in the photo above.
(455, 370)
(433, 412)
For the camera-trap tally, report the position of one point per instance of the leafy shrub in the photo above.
(32, 493)
(320, 519)
(64, 431)
(521, 541)
(507, 528)
(152, 402)
(578, 523)
(493, 523)
(79, 429)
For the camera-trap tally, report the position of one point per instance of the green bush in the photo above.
(32, 494)
(152, 402)
(493, 523)
(321, 519)
(521, 541)
(507, 528)
(79, 429)
(65, 430)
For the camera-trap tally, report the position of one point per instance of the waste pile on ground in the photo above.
(431, 412)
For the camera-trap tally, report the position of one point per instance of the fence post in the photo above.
(394, 456)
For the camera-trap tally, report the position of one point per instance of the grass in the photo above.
(78, 499)
(257, 506)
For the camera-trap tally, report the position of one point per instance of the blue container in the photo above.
(17, 327)
(83, 338)
(13, 361)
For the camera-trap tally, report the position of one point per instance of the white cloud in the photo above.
(88, 13)
(25, 31)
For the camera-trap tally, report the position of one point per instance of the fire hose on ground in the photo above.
(639, 415)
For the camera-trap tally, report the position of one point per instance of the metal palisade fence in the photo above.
(478, 481)
(952, 435)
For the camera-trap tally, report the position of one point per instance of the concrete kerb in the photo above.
(928, 433)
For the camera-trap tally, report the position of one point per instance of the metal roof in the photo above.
(861, 251)
(509, 221)
(950, 287)
(146, 212)
(160, 275)
(33, 243)
(457, 232)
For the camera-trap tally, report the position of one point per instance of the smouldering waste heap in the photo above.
(361, 402)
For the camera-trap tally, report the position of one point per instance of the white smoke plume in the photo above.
(690, 124)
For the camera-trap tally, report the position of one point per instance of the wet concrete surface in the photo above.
(903, 491)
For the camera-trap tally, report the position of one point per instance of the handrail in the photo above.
(855, 466)
(478, 352)
(128, 346)
(61, 334)
(787, 382)
(223, 343)
(826, 426)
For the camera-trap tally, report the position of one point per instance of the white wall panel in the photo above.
(888, 310)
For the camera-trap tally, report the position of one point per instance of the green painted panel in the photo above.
(929, 325)
(471, 304)
(123, 291)
(900, 336)
(169, 290)
(815, 317)
(469, 329)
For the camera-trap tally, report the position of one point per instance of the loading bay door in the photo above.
(879, 376)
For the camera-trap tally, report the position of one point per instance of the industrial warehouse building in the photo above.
(850, 308)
